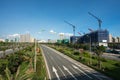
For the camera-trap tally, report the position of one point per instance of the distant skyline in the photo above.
(44, 19)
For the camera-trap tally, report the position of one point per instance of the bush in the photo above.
(3, 64)
(14, 61)
(117, 64)
(103, 60)
(67, 52)
(61, 50)
(94, 64)
(86, 54)
(81, 58)
(76, 53)
(93, 57)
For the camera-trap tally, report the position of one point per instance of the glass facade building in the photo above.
(98, 37)
(74, 39)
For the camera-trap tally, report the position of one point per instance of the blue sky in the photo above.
(34, 16)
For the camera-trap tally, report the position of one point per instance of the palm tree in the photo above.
(99, 52)
(21, 74)
(1, 77)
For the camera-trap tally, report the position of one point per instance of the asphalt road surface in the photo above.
(61, 67)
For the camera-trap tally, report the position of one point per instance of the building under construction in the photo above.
(94, 38)
(98, 37)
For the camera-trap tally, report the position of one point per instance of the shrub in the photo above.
(93, 57)
(81, 58)
(76, 53)
(14, 61)
(3, 64)
(103, 60)
(61, 50)
(94, 64)
(86, 54)
(117, 64)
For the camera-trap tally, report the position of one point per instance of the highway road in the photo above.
(62, 67)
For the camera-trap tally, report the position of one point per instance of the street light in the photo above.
(90, 49)
(90, 45)
(35, 57)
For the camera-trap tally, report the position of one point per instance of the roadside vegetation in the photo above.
(20, 65)
(80, 53)
(41, 72)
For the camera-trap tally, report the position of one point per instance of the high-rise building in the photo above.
(32, 39)
(26, 38)
(116, 39)
(22, 38)
(110, 38)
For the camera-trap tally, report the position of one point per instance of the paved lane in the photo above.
(61, 67)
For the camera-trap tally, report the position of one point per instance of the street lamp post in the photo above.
(90, 48)
(90, 51)
(35, 57)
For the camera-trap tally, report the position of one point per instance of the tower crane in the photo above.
(91, 30)
(79, 33)
(72, 26)
(99, 20)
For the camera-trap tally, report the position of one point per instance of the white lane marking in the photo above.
(62, 72)
(81, 71)
(99, 76)
(90, 71)
(55, 71)
(85, 68)
(69, 72)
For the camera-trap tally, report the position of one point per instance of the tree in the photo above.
(23, 73)
(99, 52)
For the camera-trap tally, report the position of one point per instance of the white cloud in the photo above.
(14, 35)
(52, 32)
(61, 34)
(68, 34)
(65, 34)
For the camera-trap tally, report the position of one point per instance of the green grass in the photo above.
(110, 68)
(40, 68)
